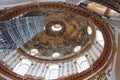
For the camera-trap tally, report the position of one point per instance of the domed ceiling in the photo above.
(65, 34)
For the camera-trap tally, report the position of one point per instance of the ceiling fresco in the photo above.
(63, 31)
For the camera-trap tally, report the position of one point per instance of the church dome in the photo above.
(54, 40)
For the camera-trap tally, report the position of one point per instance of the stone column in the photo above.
(35, 69)
(42, 66)
(13, 59)
(8, 57)
(16, 62)
(31, 68)
(70, 68)
(60, 70)
(44, 70)
(94, 53)
(65, 69)
(99, 46)
(75, 64)
(95, 50)
(88, 59)
(91, 55)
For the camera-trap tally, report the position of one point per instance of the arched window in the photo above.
(99, 38)
(77, 49)
(82, 64)
(22, 67)
(89, 30)
(34, 52)
(52, 72)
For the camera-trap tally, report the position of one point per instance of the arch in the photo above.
(82, 60)
(22, 66)
(52, 71)
(99, 38)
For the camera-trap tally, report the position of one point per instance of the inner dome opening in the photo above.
(56, 27)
